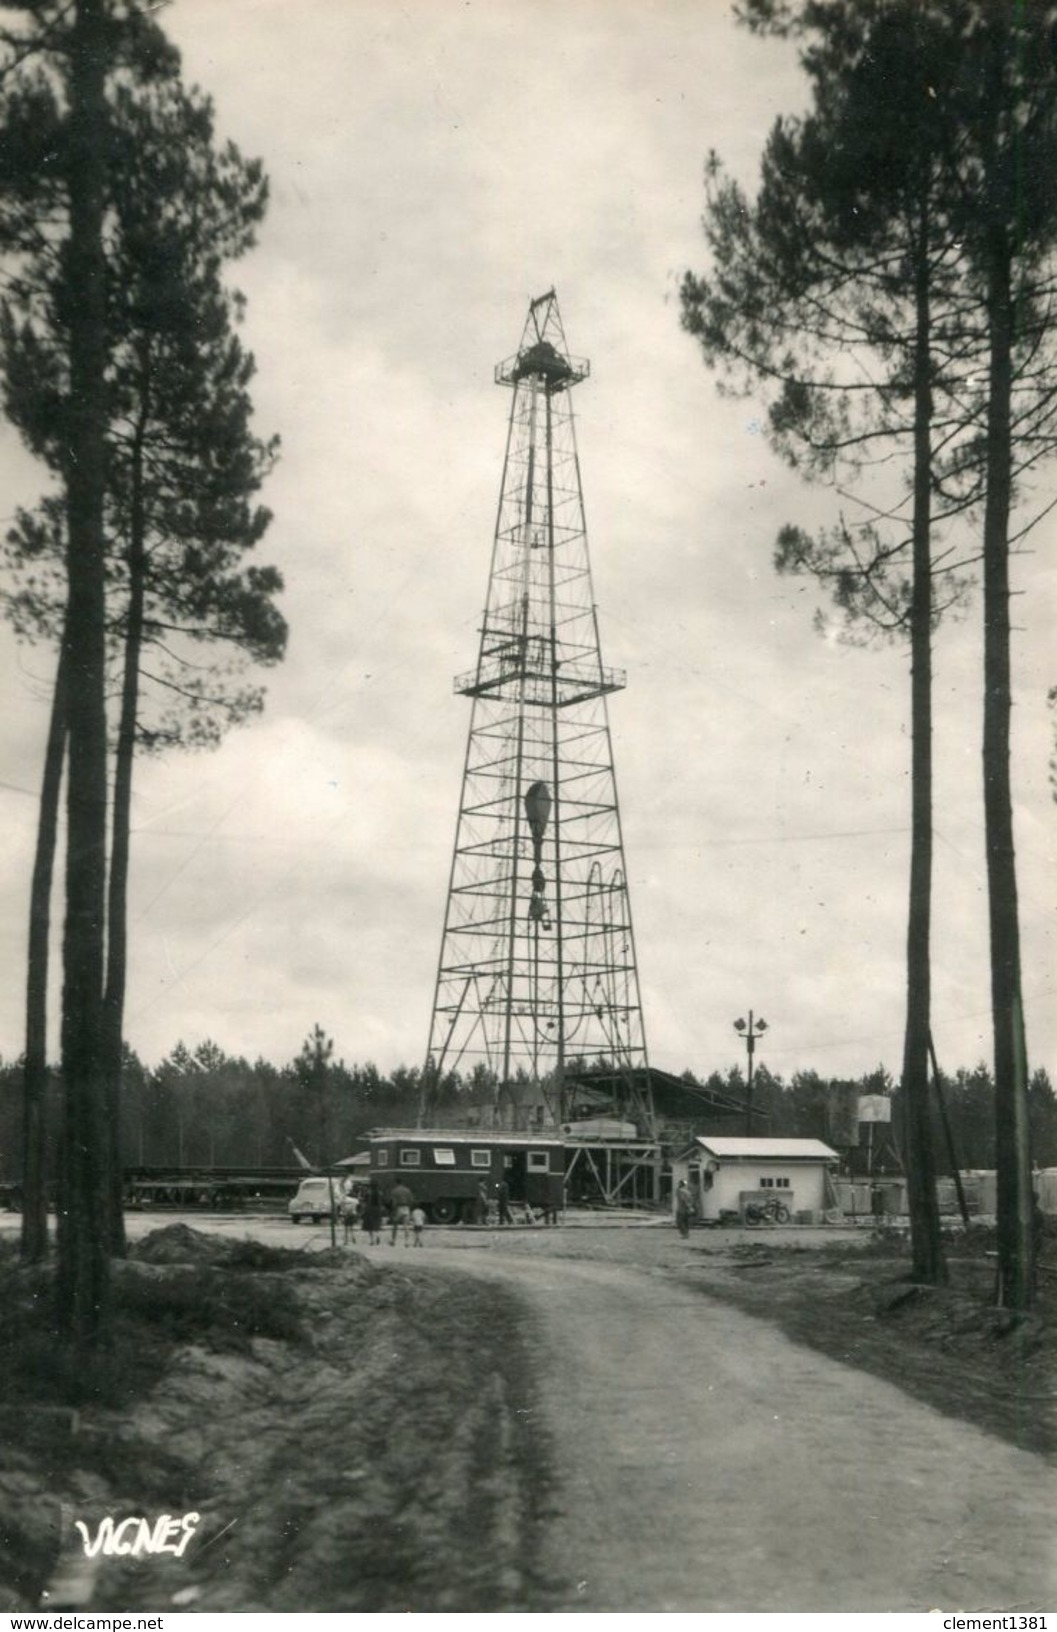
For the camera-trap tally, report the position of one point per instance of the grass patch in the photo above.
(947, 1345)
(62, 1446)
(155, 1308)
(221, 1308)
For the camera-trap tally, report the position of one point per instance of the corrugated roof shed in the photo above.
(779, 1150)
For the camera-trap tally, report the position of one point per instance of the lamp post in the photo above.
(750, 1029)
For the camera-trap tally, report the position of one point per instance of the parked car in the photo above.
(314, 1200)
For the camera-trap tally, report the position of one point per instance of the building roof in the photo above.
(466, 1136)
(778, 1150)
(673, 1097)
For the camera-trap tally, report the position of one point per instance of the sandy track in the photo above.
(705, 1462)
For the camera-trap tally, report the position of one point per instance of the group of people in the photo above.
(502, 1202)
(369, 1210)
(503, 1214)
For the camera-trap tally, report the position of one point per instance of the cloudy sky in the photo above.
(434, 165)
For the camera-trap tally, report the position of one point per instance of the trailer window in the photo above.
(382, 1158)
(538, 1162)
(480, 1158)
(444, 1158)
(410, 1158)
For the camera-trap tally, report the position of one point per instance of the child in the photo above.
(418, 1220)
(350, 1212)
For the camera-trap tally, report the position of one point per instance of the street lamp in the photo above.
(750, 1029)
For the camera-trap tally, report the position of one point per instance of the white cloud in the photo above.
(433, 166)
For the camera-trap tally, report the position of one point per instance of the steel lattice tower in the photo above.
(537, 978)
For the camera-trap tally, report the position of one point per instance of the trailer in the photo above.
(235, 1189)
(445, 1170)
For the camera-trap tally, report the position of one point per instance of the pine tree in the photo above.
(182, 464)
(1007, 111)
(912, 216)
(830, 289)
(83, 1282)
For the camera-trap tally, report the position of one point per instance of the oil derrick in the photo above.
(537, 980)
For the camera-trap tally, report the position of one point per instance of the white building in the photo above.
(724, 1173)
(1046, 1190)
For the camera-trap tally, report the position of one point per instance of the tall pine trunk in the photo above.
(83, 1280)
(926, 1250)
(117, 898)
(35, 1075)
(1012, 1135)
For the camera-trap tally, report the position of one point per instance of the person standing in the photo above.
(401, 1202)
(684, 1208)
(372, 1214)
(350, 1212)
(418, 1224)
(502, 1194)
(482, 1203)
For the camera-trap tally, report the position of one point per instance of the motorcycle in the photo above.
(767, 1211)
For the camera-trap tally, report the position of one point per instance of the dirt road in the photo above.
(707, 1463)
(661, 1450)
